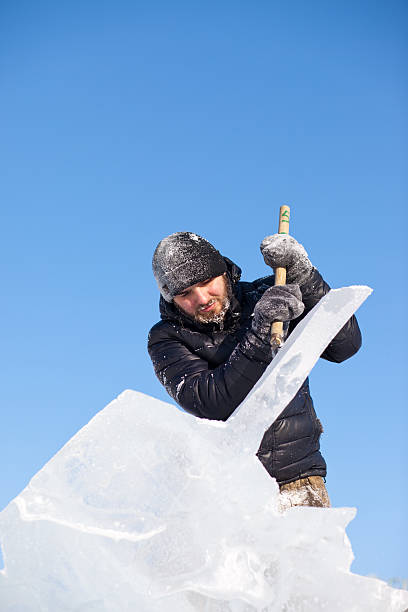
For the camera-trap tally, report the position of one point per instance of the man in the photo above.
(213, 344)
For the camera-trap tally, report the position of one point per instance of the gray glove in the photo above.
(279, 303)
(282, 250)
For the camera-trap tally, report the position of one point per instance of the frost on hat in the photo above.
(184, 259)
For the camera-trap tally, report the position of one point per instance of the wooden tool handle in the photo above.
(280, 275)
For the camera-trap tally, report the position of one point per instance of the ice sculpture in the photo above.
(148, 509)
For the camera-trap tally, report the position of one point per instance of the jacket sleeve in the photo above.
(348, 341)
(211, 393)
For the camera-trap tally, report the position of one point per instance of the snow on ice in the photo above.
(149, 509)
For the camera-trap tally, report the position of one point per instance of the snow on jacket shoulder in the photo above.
(210, 369)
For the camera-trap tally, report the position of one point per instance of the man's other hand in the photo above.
(282, 250)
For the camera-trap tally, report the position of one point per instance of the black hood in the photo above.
(169, 312)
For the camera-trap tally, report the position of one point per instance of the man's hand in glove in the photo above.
(282, 250)
(278, 303)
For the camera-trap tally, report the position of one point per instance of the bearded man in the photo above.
(213, 344)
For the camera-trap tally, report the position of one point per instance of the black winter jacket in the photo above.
(208, 369)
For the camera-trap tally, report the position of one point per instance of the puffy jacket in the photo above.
(208, 369)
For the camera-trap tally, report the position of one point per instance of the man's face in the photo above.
(206, 302)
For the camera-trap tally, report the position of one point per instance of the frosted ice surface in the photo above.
(148, 509)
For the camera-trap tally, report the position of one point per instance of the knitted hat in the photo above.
(184, 259)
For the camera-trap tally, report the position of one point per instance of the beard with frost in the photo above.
(209, 317)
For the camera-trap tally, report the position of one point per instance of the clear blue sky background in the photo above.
(123, 122)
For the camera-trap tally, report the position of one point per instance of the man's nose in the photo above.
(200, 295)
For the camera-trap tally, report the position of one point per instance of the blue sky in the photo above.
(123, 122)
